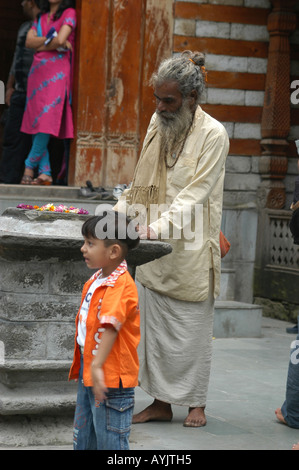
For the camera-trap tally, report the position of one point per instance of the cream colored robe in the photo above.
(196, 179)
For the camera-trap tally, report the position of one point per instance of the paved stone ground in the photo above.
(247, 384)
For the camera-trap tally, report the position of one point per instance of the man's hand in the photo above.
(146, 233)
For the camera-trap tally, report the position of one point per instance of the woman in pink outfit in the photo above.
(48, 104)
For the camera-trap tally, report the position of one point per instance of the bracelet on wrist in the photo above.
(50, 35)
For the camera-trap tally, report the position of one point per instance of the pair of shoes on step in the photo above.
(101, 193)
(95, 193)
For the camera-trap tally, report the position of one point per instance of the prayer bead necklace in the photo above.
(175, 155)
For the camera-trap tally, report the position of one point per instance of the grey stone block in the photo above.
(237, 319)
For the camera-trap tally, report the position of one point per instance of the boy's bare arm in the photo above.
(107, 340)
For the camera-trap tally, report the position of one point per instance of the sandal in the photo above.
(26, 179)
(39, 181)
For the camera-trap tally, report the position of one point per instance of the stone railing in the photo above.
(283, 253)
(277, 258)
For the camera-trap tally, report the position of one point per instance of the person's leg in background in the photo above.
(289, 412)
(38, 158)
(16, 144)
(63, 173)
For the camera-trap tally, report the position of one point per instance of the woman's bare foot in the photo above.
(295, 446)
(42, 180)
(196, 418)
(157, 411)
(279, 416)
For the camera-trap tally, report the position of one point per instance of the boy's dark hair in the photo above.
(112, 227)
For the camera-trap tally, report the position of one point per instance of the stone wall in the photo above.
(233, 34)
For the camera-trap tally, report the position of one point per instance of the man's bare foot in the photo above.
(279, 416)
(196, 418)
(295, 446)
(157, 411)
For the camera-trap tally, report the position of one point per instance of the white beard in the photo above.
(173, 126)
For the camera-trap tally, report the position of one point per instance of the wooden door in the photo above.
(119, 45)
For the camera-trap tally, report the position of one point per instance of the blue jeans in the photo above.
(104, 426)
(290, 408)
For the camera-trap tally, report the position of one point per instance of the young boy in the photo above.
(107, 335)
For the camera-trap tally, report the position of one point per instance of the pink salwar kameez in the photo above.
(48, 103)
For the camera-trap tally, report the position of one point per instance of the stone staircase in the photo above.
(232, 319)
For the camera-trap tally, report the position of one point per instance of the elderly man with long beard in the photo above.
(181, 169)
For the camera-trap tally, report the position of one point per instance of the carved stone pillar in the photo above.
(275, 127)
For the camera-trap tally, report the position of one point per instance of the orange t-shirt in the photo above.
(115, 302)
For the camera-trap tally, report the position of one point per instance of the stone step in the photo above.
(13, 194)
(39, 399)
(237, 319)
